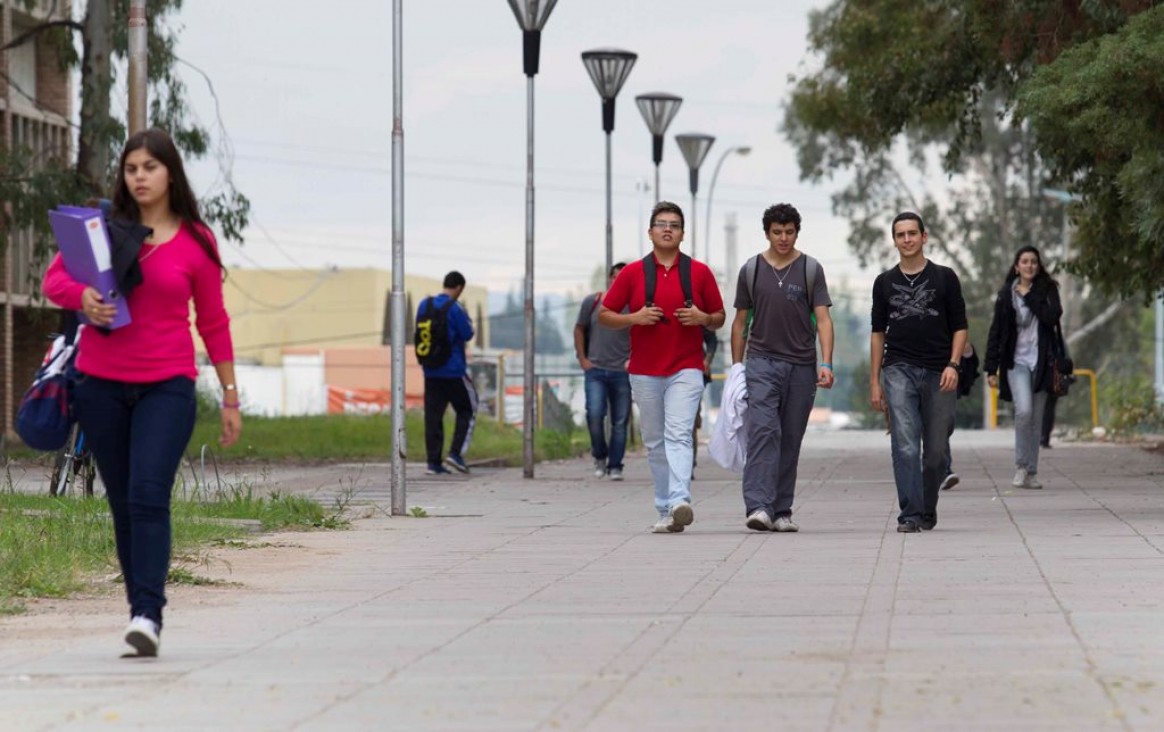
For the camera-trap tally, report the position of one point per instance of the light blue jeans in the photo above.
(1028, 418)
(920, 416)
(667, 409)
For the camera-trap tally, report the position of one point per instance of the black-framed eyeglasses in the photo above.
(672, 225)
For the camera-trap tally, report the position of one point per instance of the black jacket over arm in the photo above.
(1043, 301)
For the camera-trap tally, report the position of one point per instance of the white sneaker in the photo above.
(681, 514)
(666, 525)
(1020, 478)
(785, 525)
(142, 633)
(949, 481)
(1032, 482)
(599, 467)
(759, 520)
(616, 473)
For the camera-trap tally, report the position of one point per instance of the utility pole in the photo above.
(138, 65)
(9, 319)
(399, 438)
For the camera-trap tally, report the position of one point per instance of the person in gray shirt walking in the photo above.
(785, 293)
(603, 353)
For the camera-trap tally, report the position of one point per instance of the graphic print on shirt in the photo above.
(797, 294)
(912, 301)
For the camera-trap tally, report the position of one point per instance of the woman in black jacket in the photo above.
(1019, 353)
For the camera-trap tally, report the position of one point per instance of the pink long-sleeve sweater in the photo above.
(157, 345)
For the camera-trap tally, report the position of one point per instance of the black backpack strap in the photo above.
(685, 279)
(649, 279)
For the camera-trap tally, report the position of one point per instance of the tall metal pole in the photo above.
(9, 316)
(397, 298)
(742, 150)
(694, 251)
(138, 65)
(529, 378)
(531, 17)
(609, 212)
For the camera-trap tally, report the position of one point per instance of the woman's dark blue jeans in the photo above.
(137, 433)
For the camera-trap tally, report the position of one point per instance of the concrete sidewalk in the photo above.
(546, 605)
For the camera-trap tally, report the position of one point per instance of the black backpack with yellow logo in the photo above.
(431, 337)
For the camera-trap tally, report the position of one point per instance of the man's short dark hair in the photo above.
(614, 268)
(907, 216)
(454, 279)
(781, 213)
(667, 207)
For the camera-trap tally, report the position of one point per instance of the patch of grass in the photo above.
(54, 547)
(418, 512)
(325, 438)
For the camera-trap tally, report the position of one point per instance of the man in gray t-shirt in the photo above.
(781, 371)
(603, 353)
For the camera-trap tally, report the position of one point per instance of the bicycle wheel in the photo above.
(66, 468)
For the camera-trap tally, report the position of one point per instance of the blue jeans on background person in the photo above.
(138, 433)
(1028, 418)
(667, 409)
(607, 389)
(920, 415)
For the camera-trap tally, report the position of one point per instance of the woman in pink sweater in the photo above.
(134, 393)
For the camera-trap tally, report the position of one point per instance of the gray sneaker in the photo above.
(681, 514)
(949, 481)
(599, 467)
(615, 474)
(759, 520)
(1020, 478)
(785, 525)
(1032, 482)
(666, 525)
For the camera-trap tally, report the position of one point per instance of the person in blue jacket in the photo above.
(448, 384)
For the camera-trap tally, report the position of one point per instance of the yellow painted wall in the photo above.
(275, 309)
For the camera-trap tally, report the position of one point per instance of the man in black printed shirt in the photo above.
(918, 332)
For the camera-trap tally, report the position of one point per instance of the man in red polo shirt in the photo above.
(666, 360)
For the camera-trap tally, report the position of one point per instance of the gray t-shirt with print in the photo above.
(781, 326)
(609, 348)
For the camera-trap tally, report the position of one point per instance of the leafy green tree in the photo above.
(921, 79)
(32, 183)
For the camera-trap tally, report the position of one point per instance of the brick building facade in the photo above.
(35, 108)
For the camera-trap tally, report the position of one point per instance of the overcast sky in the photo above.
(304, 90)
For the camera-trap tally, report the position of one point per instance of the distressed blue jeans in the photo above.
(920, 415)
(607, 389)
(667, 408)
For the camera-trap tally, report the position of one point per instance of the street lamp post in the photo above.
(658, 109)
(694, 147)
(531, 17)
(739, 150)
(608, 69)
(397, 296)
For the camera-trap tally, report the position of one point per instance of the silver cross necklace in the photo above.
(776, 272)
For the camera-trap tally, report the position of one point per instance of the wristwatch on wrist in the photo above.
(953, 365)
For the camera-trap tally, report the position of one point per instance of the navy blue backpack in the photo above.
(46, 411)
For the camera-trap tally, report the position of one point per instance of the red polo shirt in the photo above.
(666, 348)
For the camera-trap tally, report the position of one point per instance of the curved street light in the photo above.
(608, 69)
(739, 150)
(658, 109)
(694, 146)
(531, 17)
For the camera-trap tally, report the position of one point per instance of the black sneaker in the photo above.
(437, 469)
(928, 522)
(909, 526)
(457, 463)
